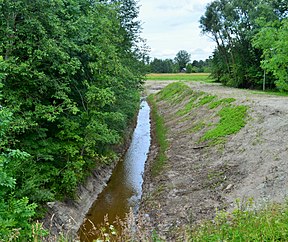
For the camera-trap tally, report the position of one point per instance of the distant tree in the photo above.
(199, 66)
(182, 59)
(190, 68)
(162, 66)
(207, 65)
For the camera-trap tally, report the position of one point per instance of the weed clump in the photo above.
(206, 99)
(245, 223)
(232, 119)
(221, 101)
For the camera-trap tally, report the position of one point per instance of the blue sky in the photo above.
(173, 25)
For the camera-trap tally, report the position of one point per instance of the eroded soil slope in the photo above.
(198, 177)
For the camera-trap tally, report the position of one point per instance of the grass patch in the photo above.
(198, 127)
(203, 77)
(190, 105)
(232, 119)
(245, 224)
(206, 99)
(173, 91)
(269, 92)
(220, 102)
(160, 132)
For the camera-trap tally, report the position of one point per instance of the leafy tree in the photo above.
(162, 66)
(232, 25)
(201, 66)
(272, 39)
(71, 73)
(182, 59)
(15, 213)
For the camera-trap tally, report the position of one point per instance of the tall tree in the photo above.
(232, 24)
(182, 59)
(162, 66)
(71, 73)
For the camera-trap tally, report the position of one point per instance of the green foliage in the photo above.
(162, 66)
(160, 133)
(182, 59)
(170, 66)
(234, 26)
(15, 213)
(232, 119)
(272, 39)
(246, 224)
(70, 76)
(15, 218)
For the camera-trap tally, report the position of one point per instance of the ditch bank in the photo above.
(65, 218)
(208, 170)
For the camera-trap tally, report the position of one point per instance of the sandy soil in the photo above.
(198, 180)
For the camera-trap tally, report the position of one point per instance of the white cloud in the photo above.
(173, 25)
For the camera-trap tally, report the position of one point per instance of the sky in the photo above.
(173, 25)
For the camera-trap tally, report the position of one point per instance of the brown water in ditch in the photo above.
(124, 189)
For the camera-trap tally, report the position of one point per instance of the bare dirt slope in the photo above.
(197, 180)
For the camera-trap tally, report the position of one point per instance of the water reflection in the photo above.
(125, 186)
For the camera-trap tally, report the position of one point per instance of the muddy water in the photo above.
(124, 189)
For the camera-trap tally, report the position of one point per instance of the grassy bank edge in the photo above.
(248, 221)
(160, 134)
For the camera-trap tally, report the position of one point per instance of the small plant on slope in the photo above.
(232, 119)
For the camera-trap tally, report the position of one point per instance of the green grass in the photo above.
(174, 91)
(190, 105)
(197, 127)
(221, 101)
(275, 93)
(232, 119)
(203, 77)
(160, 132)
(245, 224)
(206, 99)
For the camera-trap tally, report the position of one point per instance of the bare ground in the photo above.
(198, 180)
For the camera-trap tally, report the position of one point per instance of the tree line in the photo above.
(251, 38)
(181, 63)
(70, 72)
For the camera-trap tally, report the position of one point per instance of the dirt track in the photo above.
(252, 164)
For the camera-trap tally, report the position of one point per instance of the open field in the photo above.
(204, 77)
